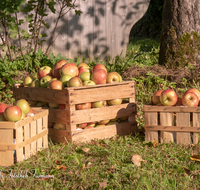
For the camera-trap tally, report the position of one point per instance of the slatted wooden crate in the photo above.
(71, 117)
(22, 139)
(166, 124)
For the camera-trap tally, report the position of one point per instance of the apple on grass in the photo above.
(74, 82)
(113, 102)
(55, 84)
(44, 71)
(99, 76)
(156, 97)
(85, 76)
(113, 77)
(168, 97)
(64, 79)
(24, 105)
(99, 66)
(44, 81)
(88, 83)
(56, 68)
(190, 99)
(13, 113)
(70, 69)
(83, 106)
(99, 104)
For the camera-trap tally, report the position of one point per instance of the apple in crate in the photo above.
(156, 97)
(44, 81)
(113, 102)
(100, 125)
(35, 83)
(13, 113)
(2, 107)
(60, 126)
(99, 76)
(62, 106)
(99, 66)
(82, 125)
(83, 69)
(83, 106)
(28, 80)
(89, 127)
(70, 69)
(190, 99)
(44, 71)
(99, 104)
(75, 82)
(56, 85)
(64, 79)
(31, 113)
(113, 77)
(194, 90)
(168, 97)
(83, 64)
(112, 123)
(92, 123)
(53, 105)
(88, 83)
(24, 105)
(103, 122)
(56, 68)
(85, 76)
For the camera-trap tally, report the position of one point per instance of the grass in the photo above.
(107, 164)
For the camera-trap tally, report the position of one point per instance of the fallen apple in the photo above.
(28, 80)
(35, 83)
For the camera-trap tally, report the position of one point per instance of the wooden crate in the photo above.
(22, 139)
(71, 117)
(166, 124)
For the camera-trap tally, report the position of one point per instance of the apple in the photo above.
(125, 118)
(99, 104)
(92, 123)
(70, 69)
(55, 84)
(83, 64)
(44, 81)
(59, 126)
(179, 102)
(88, 83)
(115, 119)
(13, 113)
(62, 106)
(64, 79)
(32, 102)
(83, 106)
(35, 83)
(44, 71)
(83, 69)
(82, 125)
(190, 99)
(103, 122)
(156, 97)
(113, 102)
(23, 116)
(41, 104)
(99, 66)
(99, 76)
(98, 125)
(24, 105)
(31, 113)
(74, 82)
(85, 76)
(28, 80)
(168, 97)
(113, 77)
(194, 90)
(53, 105)
(112, 123)
(89, 127)
(2, 107)
(56, 68)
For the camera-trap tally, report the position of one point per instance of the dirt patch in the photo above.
(172, 75)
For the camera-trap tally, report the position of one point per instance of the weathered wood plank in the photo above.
(196, 123)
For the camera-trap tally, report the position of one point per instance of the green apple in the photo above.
(112, 123)
(99, 104)
(74, 82)
(28, 80)
(88, 83)
(44, 81)
(53, 105)
(85, 76)
(35, 83)
(103, 122)
(65, 78)
(24, 105)
(114, 102)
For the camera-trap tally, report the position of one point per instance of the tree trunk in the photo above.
(179, 17)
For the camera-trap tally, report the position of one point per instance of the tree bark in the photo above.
(179, 16)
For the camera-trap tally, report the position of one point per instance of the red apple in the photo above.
(44, 71)
(99, 104)
(92, 123)
(85, 76)
(82, 125)
(24, 105)
(64, 79)
(2, 107)
(74, 82)
(99, 66)
(31, 113)
(56, 68)
(62, 106)
(83, 64)
(89, 127)
(56, 85)
(83, 106)
(194, 90)
(83, 69)
(113, 77)
(13, 113)
(113, 102)
(70, 69)
(168, 97)
(99, 76)
(190, 99)
(156, 97)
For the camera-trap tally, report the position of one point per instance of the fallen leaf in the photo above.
(111, 169)
(187, 171)
(58, 162)
(137, 159)
(85, 149)
(103, 184)
(61, 167)
(155, 143)
(195, 157)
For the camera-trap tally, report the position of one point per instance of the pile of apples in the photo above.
(17, 112)
(168, 97)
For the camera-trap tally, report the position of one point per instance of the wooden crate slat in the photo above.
(105, 93)
(38, 131)
(167, 119)
(58, 136)
(27, 148)
(151, 118)
(183, 119)
(45, 128)
(33, 133)
(6, 157)
(19, 139)
(109, 112)
(196, 123)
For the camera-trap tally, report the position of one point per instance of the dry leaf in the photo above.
(58, 162)
(111, 169)
(61, 167)
(137, 159)
(85, 149)
(103, 184)
(155, 143)
(187, 171)
(195, 157)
